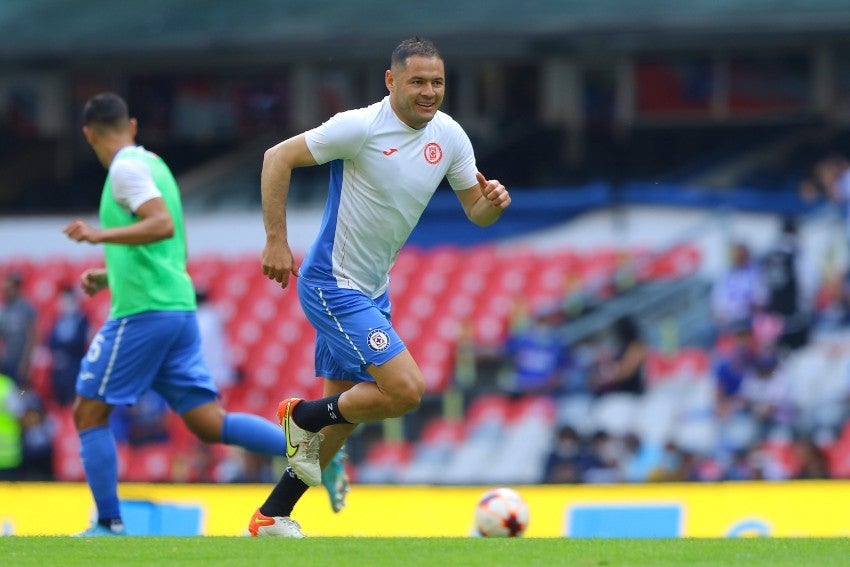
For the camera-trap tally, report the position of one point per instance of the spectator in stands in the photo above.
(812, 460)
(832, 175)
(11, 409)
(739, 293)
(782, 281)
(37, 436)
(564, 463)
(378, 193)
(601, 459)
(217, 351)
(677, 465)
(68, 342)
(734, 362)
(535, 356)
(17, 331)
(766, 390)
(623, 371)
(742, 466)
(643, 459)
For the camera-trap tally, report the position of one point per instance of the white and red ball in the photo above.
(501, 512)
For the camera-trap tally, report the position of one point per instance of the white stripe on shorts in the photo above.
(112, 356)
(338, 326)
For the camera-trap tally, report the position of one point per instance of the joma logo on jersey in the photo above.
(433, 153)
(378, 340)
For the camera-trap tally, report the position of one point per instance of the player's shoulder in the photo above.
(366, 114)
(444, 121)
(355, 121)
(130, 161)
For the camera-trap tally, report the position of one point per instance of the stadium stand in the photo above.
(214, 88)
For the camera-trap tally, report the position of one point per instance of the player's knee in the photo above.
(88, 414)
(408, 396)
(206, 436)
(205, 422)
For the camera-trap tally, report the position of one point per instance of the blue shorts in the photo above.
(159, 350)
(353, 331)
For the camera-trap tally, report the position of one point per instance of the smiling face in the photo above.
(416, 89)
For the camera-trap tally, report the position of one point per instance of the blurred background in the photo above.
(666, 300)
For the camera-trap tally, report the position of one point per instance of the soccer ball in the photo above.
(501, 512)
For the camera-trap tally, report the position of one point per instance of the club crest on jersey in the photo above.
(433, 153)
(378, 340)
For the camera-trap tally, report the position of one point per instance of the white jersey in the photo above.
(383, 174)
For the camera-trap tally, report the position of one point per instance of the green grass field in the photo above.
(466, 552)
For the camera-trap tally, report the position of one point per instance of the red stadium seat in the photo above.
(442, 430)
(686, 364)
(487, 407)
(389, 452)
(543, 407)
(66, 448)
(150, 463)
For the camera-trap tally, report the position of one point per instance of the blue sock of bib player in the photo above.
(100, 462)
(253, 433)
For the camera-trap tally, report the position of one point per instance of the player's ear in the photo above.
(389, 80)
(134, 127)
(88, 132)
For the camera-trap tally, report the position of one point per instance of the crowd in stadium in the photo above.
(621, 407)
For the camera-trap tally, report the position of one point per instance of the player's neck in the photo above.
(111, 147)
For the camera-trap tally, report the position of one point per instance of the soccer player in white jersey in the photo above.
(386, 162)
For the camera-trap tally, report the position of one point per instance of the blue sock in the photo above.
(100, 461)
(253, 433)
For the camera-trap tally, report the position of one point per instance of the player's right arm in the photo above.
(134, 188)
(155, 224)
(278, 163)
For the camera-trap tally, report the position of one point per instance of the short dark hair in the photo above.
(105, 109)
(411, 47)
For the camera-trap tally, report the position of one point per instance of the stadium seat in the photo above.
(440, 439)
(615, 413)
(383, 463)
(486, 424)
(575, 410)
(781, 454)
(685, 364)
(525, 447)
(697, 434)
(838, 459)
(150, 463)
(66, 448)
(657, 414)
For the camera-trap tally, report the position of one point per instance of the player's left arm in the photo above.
(155, 224)
(483, 203)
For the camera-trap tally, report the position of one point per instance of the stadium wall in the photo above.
(790, 509)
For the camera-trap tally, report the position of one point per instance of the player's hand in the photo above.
(494, 191)
(278, 263)
(81, 231)
(94, 280)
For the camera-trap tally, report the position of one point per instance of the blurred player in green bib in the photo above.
(150, 339)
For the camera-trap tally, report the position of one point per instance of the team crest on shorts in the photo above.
(378, 340)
